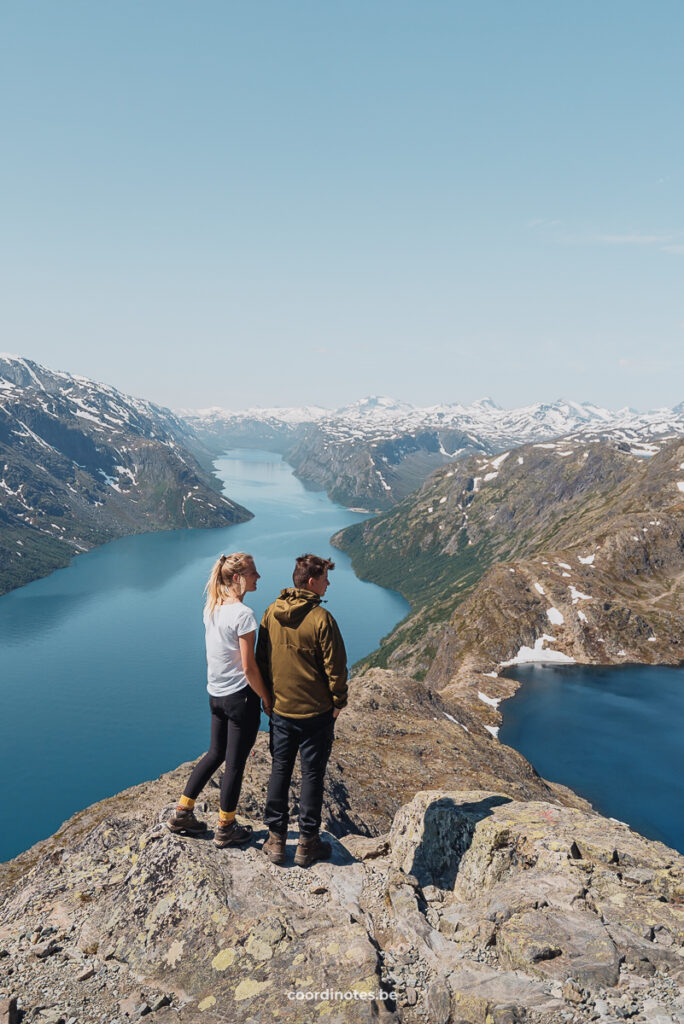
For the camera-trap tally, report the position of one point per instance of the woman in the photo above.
(235, 686)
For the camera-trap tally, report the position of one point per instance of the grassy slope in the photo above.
(436, 545)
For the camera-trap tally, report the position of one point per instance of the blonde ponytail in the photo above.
(226, 580)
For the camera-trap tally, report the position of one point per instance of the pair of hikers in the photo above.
(298, 673)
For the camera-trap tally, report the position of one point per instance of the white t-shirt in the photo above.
(226, 624)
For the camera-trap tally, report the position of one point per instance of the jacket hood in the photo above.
(293, 604)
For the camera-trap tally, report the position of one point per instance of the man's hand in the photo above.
(336, 712)
(267, 706)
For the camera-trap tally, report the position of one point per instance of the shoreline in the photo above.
(604, 716)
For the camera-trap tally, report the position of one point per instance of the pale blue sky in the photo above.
(221, 203)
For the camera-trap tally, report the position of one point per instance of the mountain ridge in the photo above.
(595, 529)
(82, 464)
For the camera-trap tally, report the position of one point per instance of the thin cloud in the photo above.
(542, 222)
(649, 365)
(630, 239)
(671, 242)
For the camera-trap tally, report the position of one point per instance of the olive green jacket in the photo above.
(301, 656)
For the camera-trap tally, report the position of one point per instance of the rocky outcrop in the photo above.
(488, 896)
(473, 907)
(558, 904)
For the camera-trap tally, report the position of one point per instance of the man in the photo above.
(301, 655)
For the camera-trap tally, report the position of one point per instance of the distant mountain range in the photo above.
(81, 464)
(376, 451)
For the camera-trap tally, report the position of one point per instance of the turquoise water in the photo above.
(102, 666)
(614, 735)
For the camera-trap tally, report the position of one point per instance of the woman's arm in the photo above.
(251, 670)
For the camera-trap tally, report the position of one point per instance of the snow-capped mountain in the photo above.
(87, 400)
(379, 416)
(272, 429)
(642, 433)
(81, 463)
(375, 451)
(282, 415)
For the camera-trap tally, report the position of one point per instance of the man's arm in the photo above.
(334, 661)
(263, 652)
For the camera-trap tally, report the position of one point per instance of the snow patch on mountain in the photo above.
(460, 429)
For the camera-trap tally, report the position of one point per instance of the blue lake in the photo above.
(102, 665)
(614, 735)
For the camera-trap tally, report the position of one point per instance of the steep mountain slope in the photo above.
(581, 544)
(376, 451)
(81, 464)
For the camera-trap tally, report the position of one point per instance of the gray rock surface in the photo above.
(475, 908)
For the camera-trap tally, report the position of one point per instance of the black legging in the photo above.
(234, 727)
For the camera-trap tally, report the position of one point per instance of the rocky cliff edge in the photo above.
(488, 896)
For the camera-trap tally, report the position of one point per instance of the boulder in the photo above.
(560, 944)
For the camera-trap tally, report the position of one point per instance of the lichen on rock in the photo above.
(476, 906)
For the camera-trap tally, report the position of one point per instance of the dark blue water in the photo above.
(102, 665)
(614, 735)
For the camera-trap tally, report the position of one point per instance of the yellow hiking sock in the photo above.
(226, 817)
(186, 803)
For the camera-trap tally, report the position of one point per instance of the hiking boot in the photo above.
(232, 835)
(274, 847)
(184, 820)
(310, 849)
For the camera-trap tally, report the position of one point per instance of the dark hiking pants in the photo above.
(313, 738)
(234, 727)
